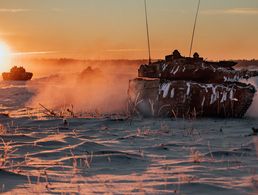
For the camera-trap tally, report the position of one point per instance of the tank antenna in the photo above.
(147, 30)
(195, 21)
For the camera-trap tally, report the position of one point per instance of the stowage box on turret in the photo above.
(183, 87)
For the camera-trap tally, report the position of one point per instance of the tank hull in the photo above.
(180, 98)
(17, 76)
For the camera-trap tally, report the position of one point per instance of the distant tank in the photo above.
(90, 74)
(17, 74)
(190, 87)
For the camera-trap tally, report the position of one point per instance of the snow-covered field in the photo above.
(114, 155)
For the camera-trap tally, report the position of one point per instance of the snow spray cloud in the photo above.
(101, 89)
(253, 110)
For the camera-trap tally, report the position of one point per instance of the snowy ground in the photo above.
(114, 155)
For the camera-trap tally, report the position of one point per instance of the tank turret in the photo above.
(194, 69)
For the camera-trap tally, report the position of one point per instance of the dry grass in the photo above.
(143, 132)
(195, 156)
(7, 151)
(2, 129)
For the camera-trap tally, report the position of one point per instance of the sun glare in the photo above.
(5, 57)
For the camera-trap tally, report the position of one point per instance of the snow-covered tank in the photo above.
(190, 87)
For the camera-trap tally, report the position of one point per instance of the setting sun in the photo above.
(5, 56)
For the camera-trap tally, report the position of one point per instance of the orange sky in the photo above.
(111, 29)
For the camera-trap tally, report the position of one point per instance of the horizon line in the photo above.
(124, 59)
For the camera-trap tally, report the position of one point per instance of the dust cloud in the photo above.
(253, 110)
(95, 88)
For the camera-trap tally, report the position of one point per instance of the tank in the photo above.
(190, 87)
(17, 74)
